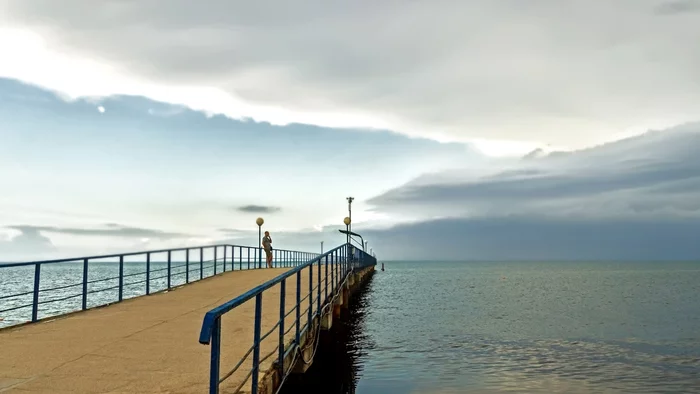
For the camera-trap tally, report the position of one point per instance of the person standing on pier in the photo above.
(267, 245)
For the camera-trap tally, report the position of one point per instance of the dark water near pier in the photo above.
(517, 328)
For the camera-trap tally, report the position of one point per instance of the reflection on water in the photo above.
(338, 364)
(518, 328)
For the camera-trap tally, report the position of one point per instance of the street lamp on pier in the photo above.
(259, 222)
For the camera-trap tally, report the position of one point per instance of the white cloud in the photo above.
(101, 109)
(567, 73)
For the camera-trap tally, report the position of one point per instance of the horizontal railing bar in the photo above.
(274, 328)
(100, 257)
(291, 327)
(268, 355)
(105, 289)
(291, 310)
(234, 369)
(60, 287)
(17, 295)
(60, 299)
(16, 307)
(160, 277)
(135, 283)
(245, 380)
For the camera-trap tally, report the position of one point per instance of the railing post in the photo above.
(35, 301)
(121, 278)
(311, 293)
(248, 254)
(215, 260)
(225, 250)
(169, 269)
(326, 278)
(201, 263)
(256, 342)
(333, 274)
(298, 334)
(318, 291)
(240, 258)
(280, 351)
(187, 266)
(215, 362)
(148, 273)
(85, 280)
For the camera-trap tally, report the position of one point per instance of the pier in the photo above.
(216, 324)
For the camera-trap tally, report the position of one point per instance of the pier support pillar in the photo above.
(339, 302)
(345, 296)
(327, 320)
(307, 349)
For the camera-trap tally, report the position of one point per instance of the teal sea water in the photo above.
(521, 327)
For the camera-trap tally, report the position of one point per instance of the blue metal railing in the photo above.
(148, 272)
(338, 262)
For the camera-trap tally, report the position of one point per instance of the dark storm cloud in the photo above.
(535, 238)
(111, 230)
(258, 209)
(678, 7)
(657, 174)
(638, 198)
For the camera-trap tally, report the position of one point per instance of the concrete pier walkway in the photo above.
(143, 345)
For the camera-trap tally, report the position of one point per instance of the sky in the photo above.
(464, 129)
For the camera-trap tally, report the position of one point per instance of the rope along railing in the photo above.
(314, 297)
(35, 290)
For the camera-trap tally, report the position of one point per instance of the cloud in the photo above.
(449, 70)
(537, 238)
(656, 175)
(111, 230)
(258, 209)
(29, 239)
(678, 7)
(638, 198)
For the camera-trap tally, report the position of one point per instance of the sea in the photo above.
(518, 327)
(467, 327)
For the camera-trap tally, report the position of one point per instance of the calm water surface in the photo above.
(436, 327)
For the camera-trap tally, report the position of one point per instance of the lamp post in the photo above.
(347, 222)
(321, 247)
(350, 200)
(366, 242)
(259, 222)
